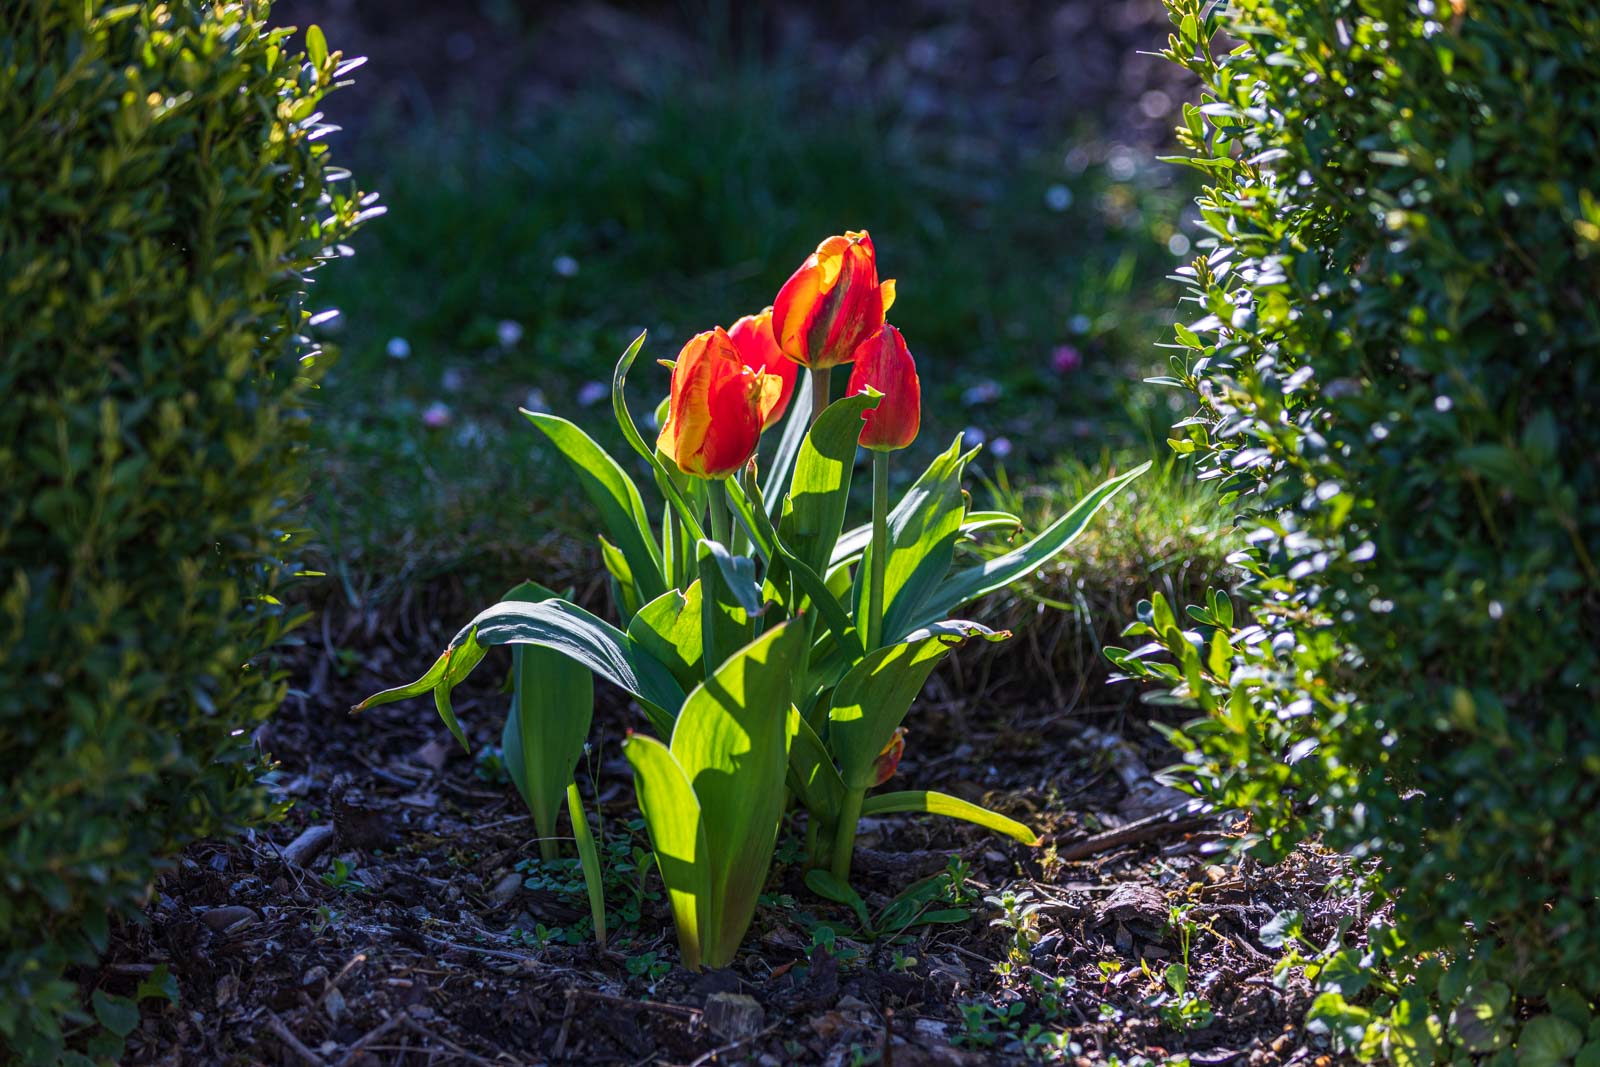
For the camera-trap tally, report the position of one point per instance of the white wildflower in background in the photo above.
(591, 393)
(398, 348)
(508, 332)
(565, 266)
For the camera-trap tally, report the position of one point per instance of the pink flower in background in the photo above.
(1066, 359)
(435, 415)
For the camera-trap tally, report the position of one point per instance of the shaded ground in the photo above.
(415, 937)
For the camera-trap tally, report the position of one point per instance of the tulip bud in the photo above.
(832, 303)
(758, 348)
(884, 362)
(888, 760)
(714, 415)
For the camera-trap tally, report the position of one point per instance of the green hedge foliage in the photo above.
(163, 192)
(1394, 337)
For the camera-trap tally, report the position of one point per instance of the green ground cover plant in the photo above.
(166, 190)
(774, 649)
(1392, 336)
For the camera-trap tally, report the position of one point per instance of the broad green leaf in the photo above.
(589, 861)
(552, 707)
(117, 1014)
(613, 495)
(943, 804)
(813, 776)
(997, 573)
(923, 530)
(622, 574)
(736, 573)
(672, 815)
(873, 699)
(596, 644)
(732, 741)
(1547, 1041)
(813, 511)
(668, 630)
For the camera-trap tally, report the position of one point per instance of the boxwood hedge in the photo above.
(1393, 333)
(164, 191)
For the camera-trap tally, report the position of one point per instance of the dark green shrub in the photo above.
(1397, 354)
(163, 192)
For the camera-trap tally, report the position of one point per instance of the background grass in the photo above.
(521, 253)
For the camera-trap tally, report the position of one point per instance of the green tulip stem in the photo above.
(880, 548)
(718, 506)
(819, 391)
(844, 835)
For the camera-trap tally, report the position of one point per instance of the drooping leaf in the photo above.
(854, 541)
(461, 664)
(591, 641)
(673, 818)
(943, 804)
(997, 573)
(732, 741)
(613, 494)
(552, 707)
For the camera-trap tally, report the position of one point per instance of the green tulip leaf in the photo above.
(589, 861)
(728, 613)
(794, 432)
(872, 700)
(630, 432)
(828, 886)
(996, 574)
(591, 641)
(552, 706)
(613, 494)
(813, 776)
(677, 835)
(668, 630)
(943, 804)
(923, 530)
(732, 741)
(627, 591)
(813, 511)
(853, 542)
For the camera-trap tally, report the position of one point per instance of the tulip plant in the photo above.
(775, 652)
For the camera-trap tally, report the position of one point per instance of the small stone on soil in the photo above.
(733, 1016)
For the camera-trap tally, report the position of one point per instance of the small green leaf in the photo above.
(829, 887)
(316, 46)
(117, 1014)
(954, 807)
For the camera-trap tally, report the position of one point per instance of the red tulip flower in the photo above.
(884, 362)
(758, 348)
(714, 417)
(832, 303)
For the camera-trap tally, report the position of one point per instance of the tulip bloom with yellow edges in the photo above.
(884, 362)
(758, 348)
(714, 417)
(832, 303)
